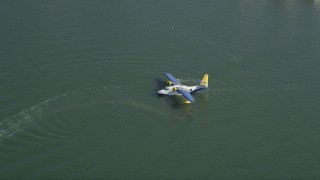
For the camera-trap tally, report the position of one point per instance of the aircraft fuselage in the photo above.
(172, 90)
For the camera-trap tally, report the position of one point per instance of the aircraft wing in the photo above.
(186, 94)
(172, 79)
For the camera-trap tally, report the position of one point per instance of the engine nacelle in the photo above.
(168, 83)
(175, 89)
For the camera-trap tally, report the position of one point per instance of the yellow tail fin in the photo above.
(205, 80)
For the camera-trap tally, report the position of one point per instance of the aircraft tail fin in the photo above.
(205, 80)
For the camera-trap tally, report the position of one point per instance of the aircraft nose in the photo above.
(161, 91)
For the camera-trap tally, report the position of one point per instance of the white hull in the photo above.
(170, 90)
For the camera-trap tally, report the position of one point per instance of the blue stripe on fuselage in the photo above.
(199, 89)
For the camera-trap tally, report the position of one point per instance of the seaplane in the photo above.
(174, 87)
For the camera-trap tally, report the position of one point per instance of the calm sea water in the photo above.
(78, 83)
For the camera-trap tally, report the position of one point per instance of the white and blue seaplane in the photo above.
(174, 87)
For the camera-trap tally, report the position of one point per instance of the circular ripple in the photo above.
(63, 114)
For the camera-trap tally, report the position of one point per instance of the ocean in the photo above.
(79, 82)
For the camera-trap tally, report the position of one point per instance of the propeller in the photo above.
(168, 83)
(175, 89)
